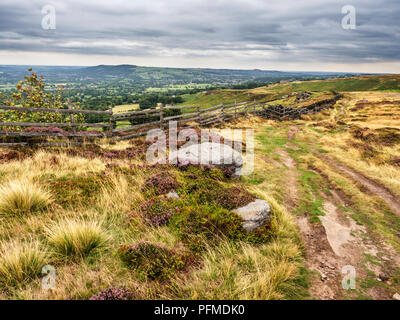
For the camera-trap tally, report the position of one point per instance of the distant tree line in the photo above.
(147, 101)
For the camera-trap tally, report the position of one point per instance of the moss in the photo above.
(311, 202)
(152, 261)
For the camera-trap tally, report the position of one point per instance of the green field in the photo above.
(388, 83)
(180, 87)
(125, 108)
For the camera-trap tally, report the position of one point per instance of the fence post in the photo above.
(222, 117)
(198, 115)
(111, 123)
(235, 110)
(71, 117)
(162, 116)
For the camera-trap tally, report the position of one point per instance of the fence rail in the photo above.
(143, 120)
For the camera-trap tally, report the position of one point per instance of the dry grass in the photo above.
(241, 271)
(21, 262)
(21, 197)
(76, 238)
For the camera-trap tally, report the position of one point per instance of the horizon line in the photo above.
(200, 68)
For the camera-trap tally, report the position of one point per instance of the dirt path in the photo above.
(373, 186)
(291, 179)
(319, 254)
(337, 242)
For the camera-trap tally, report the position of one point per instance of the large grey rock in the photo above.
(255, 214)
(216, 155)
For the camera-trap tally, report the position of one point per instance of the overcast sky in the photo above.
(263, 34)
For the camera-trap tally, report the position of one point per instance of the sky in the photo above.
(287, 35)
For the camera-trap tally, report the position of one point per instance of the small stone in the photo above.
(396, 296)
(383, 277)
(173, 195)
(256, 214)
(323, 277)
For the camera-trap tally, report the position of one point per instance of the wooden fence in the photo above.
(188, 114)
(143, 120)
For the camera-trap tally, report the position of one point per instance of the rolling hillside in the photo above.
(276, 91)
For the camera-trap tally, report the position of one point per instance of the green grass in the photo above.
(275, 92)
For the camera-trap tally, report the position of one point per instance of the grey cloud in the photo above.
(286, 31)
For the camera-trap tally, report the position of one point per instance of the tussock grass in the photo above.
(242, 271)
(76, 238)
(21, 262)
(20, 197)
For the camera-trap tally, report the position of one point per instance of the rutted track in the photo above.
(373, 186)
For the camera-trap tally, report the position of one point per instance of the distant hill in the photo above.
(154, 75)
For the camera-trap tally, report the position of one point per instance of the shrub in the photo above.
(21, 262)
(198, 225)
(22, 197)
(194, 225)
(152, 261)
(157, 211)
(76, 238)
(206, 190)
(161, 183)
(113, 294)
(228, 198)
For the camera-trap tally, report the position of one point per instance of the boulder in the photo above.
(254, 215)
(216, 155)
